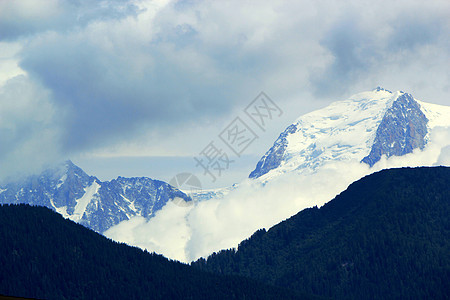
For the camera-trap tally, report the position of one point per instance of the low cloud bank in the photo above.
(186, 234)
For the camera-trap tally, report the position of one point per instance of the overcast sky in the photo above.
(138, 88)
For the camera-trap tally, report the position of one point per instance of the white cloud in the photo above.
(27, 133)
(222, 223)
(167, 76)
(154, 235)
(29, 9)
(103, 75)
(434, 154)
(444, 157)
(9, 65)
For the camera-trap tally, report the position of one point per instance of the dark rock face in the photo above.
(402, 129)
(274, 156)
(123, 198)
(115, 201)
(379, 88)
(61, 185)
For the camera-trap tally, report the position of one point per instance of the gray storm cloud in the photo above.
(112, 71)
(28, 135)
(362, 44)
(28, 17)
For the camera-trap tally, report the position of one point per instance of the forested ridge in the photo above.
(386, 236)
(45, 256)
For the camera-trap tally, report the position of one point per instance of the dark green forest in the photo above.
(45, 256)
(385, 237)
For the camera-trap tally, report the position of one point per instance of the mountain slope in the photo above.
(402, 129)
(98, 205)
(386, 236)
(313, 160)
(363, 128)
(48, 257)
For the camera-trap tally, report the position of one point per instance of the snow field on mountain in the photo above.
(83, 202)
(186, 234)
(344, 130)
(342, 135)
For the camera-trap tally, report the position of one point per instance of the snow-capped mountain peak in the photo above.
(321, 153)
(365, 127)
(85, 199)
(402, 129)
(312, 161)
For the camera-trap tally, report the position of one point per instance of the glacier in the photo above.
(365, 127)
(98, 205)
(312, 161)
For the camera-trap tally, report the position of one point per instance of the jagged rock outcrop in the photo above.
(273, 158)
(85, 199)
(403, 129)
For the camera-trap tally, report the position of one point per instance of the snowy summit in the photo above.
(365, 127)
